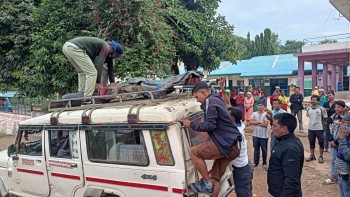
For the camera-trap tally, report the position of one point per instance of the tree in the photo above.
(247, 53)
(269, 42)
(242, 47)
(16, 26)
(55, 23)
(265, 43)
(291, 46)
(326, 41)
(258, 47)
(141, 27)
(154, 33)
(187, 30)
(202, 37)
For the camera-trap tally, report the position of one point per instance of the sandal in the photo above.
(320, 160)
(329, 181)
(310, 158)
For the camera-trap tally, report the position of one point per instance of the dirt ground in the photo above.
(312, 178)
(6, 141)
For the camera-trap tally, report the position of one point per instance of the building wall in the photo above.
(325, 47)
(266, 82)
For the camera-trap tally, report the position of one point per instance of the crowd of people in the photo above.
(328, 123)
(226, 117)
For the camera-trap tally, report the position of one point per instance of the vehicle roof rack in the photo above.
(136, 97)
(123, 99)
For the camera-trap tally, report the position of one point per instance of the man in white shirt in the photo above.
(242, 169)
(242, 173)
(317, 116)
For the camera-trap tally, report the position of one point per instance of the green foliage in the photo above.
(154, 33)
(16, 26)
(243, 46)
(326, 41)
(140, 27)
(292, 46)
(265, 43)
(157, 32)
(203, 38)
(55, 22)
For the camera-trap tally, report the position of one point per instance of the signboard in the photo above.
(9, 122)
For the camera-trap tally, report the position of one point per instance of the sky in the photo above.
(292, 20)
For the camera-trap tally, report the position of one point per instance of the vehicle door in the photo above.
(119, 157)
(194, 138)
(29, 168)
(64, 164)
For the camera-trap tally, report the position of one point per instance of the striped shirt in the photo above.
(341, 166)
(259, 131)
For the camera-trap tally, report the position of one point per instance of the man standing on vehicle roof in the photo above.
(223, 146)
(87, 55)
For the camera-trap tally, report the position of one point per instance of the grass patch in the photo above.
(3, 135)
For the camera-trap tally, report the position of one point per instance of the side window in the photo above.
(31, 143)
(117, 146)
(63, 144)
(161, 148)
(197, 137)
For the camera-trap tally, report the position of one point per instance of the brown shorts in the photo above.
(209, 151)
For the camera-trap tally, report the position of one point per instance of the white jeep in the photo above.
(124, 149)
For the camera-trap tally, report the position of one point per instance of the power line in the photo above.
(325, 23)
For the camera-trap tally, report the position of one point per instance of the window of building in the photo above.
(117, 146)
(31, 143)
(239, 82)
(256, 83)
(308, 84)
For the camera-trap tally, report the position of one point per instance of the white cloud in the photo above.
(296, 19)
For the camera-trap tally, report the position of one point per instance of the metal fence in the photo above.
(327, 39)
(23, 106)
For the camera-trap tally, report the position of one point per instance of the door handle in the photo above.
(73, 165)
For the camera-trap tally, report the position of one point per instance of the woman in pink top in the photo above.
(248, 106)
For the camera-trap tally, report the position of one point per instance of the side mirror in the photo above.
(10, 150)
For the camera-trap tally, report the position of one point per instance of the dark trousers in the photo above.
(243, 180)
(298, 113)
(260, 143)
(313, 134)
(326, 143)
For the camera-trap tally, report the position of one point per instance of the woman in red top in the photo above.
(240, 102)
(273, 98)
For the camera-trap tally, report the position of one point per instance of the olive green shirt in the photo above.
(95, 48)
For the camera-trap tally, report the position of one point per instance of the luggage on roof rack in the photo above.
(75, 103)
(135, 89)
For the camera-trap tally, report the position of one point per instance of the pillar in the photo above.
(314, 74)
(226, 84)
(340, 76)
(301, 75)
(333, 78)
(325, 78)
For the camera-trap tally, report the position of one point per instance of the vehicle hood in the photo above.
(4, 158)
